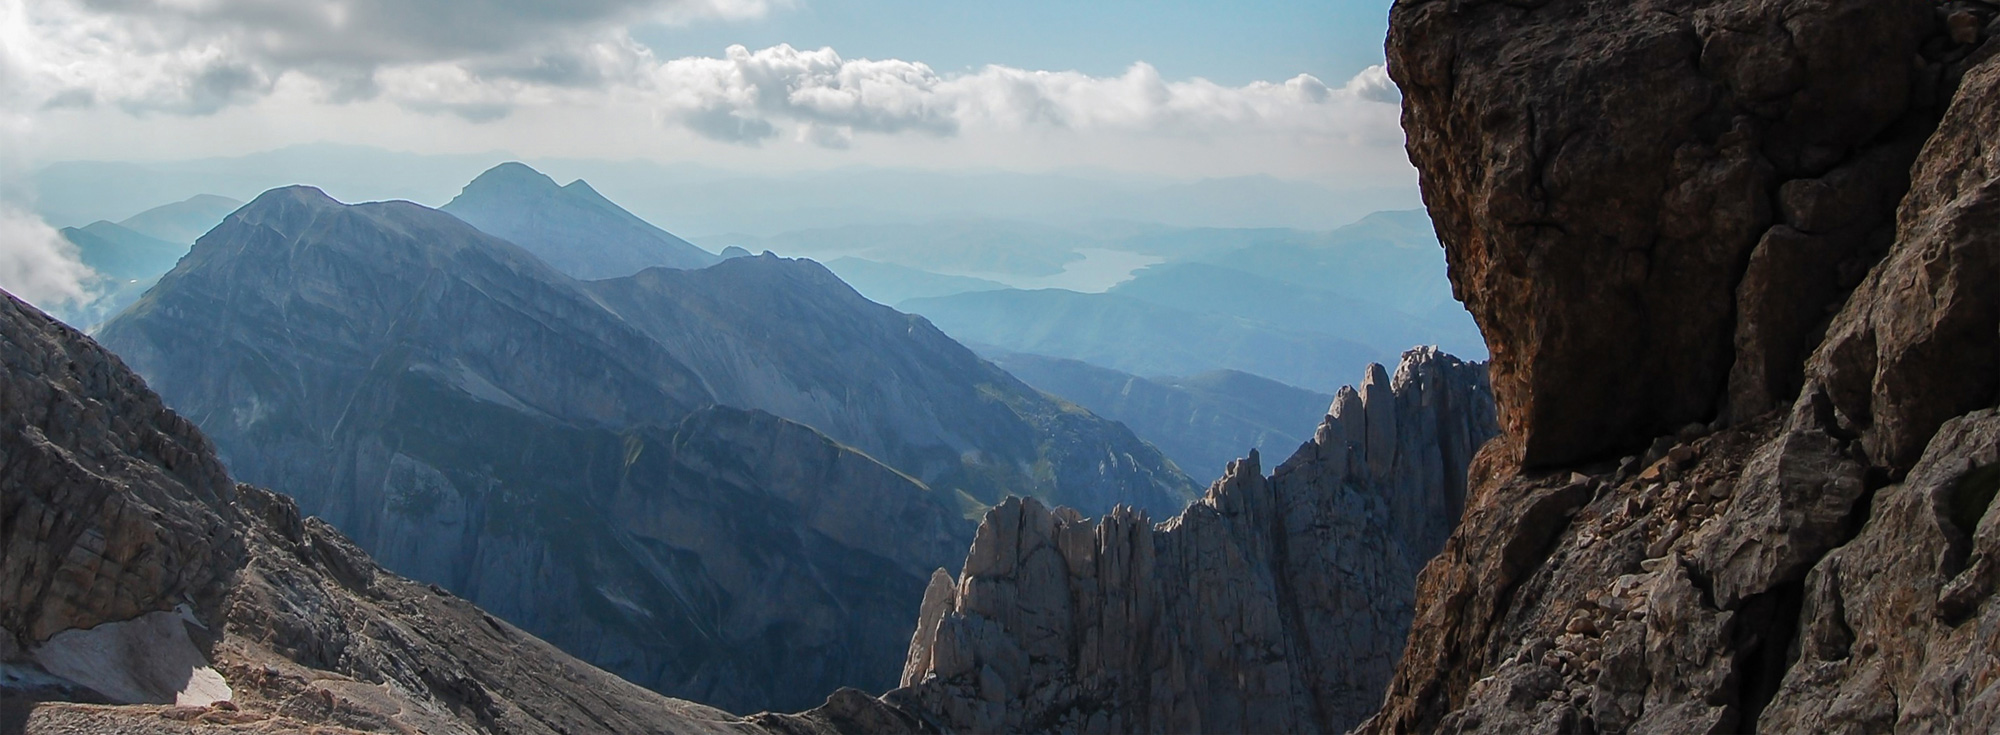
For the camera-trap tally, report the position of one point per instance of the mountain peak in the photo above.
(573, 228)
(511, 176)
(287, 208)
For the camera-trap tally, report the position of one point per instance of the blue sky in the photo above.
(1227, 42)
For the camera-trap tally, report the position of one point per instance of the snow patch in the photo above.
(146, 660)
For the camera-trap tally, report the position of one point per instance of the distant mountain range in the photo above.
(700, 473)
(570, 227)
(886, 283)
(1141, 337)
(130, 255)
(183, 221)
(694, 199)
(1203, 422)
(1216, 289)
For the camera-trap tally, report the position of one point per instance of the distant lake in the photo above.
(1097, 272)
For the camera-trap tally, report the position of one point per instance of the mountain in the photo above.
(147, 592)
(1388, 258)
(1749, 380)
(570, 227)
(126, 263)
(183, 221)
(1230, 292)
(686, 455)
(886, 283)
(1202, 422)
(788, 337)
(1141, 337)
(1273, 604)
(697, 199)
(988, 246)
(120, 254)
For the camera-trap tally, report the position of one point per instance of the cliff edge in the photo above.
(1728, 257)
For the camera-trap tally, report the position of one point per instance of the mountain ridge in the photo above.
(571, 227)
(341, 345)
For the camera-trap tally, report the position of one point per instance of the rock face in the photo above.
(600, 463)
(1650, 211)
(121, 527)
(1817, 569)
(571, 227)
(1272, 604)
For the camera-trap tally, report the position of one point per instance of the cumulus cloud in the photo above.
(37, 264)
(745, 96)
(483, 59)
(199, 56)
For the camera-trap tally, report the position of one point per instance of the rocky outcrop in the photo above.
(1272, 604)
(1651, 210)
(144, 592)
(1816, 569)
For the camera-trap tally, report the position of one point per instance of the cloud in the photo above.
(1373, 83)
(482, 60)
(37, 264)
(745, 96)
(199, 56)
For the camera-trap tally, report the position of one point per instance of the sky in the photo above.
(1174, 89)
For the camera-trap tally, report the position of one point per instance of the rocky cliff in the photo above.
(1724, 255)
(145, 592)
(1272, 604)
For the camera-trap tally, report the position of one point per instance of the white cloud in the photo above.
(746, 96)
(37, 264)
(483, 59)
(175, 78)
(200, 56)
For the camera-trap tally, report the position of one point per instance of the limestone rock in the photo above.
(1274, 604)
(1820, 569)
(1919, 341)
(1600, 174)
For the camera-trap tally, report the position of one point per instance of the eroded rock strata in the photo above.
(1272, 604)
(228, 609)
(1729, 259)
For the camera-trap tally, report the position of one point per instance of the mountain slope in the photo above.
(477, 419)
(126, 263)
(183, 221)
(786, 336)
(122, 528)
(120, 254)
(997, 247)
(1142, 338)
(571, 227)
(1203, 422)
